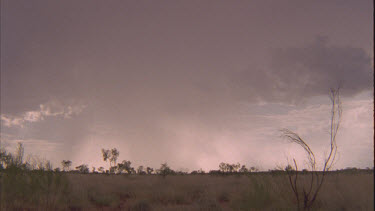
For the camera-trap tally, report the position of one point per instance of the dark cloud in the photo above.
(319, 66)
(298, 73)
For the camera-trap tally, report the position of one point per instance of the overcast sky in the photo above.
(191, 83)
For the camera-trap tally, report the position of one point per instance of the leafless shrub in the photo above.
(310, 193)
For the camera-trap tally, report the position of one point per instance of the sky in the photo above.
(190, 83)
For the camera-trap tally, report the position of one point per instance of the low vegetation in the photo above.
(33, 185)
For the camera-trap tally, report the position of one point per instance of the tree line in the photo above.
(16, 159)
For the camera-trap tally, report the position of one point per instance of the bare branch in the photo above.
(308, 199)
(295, 138)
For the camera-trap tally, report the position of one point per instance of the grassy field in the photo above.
(40, 190)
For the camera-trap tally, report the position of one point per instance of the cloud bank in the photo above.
(299, 73)
(50, 109)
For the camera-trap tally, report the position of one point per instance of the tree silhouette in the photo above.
(106, 154)
(165, 170)
(125, 166)
(243, 169)
(66, 164)
(48, 166)
(19, 154)
(235, 167)
(229, 168)
(114, 155)
(84, 169)
(289, 168)
(253, 169)
(113, 169)
(101, 169)
(149, 170)
(3, 158)
(223, 167)
(8, 159)
(140, 170)
(111, 156)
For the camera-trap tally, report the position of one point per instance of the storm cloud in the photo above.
(295, 74)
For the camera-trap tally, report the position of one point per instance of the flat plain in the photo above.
(353, 190)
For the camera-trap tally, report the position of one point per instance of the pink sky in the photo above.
(191, 83)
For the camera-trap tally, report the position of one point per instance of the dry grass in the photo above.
(257, 191)
(205, 192)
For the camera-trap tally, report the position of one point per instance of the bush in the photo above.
(24, 187)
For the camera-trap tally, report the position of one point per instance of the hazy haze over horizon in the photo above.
(191, 83)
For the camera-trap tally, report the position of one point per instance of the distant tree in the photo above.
(194, 172)
(111, 156)
(181, 172)
(48, 166)
(57, 169)
(18, 159)
(229, 168)
(201, 171)
(149, 170)
(8, 159)
(132, 171)
(114, 155)
(235, 167)
(84, 169)
(140, 170)
(40, 165)
(66, 165)
(223, 167)
(289, 168)
(125, 166)
(101, 169)
(243, 169)
(215, 172)
(106, 154)
(253, 169)
(93, 169)
(3, 154)
(350, 169)
(5, 158)
(165, 170)
(113, 169)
